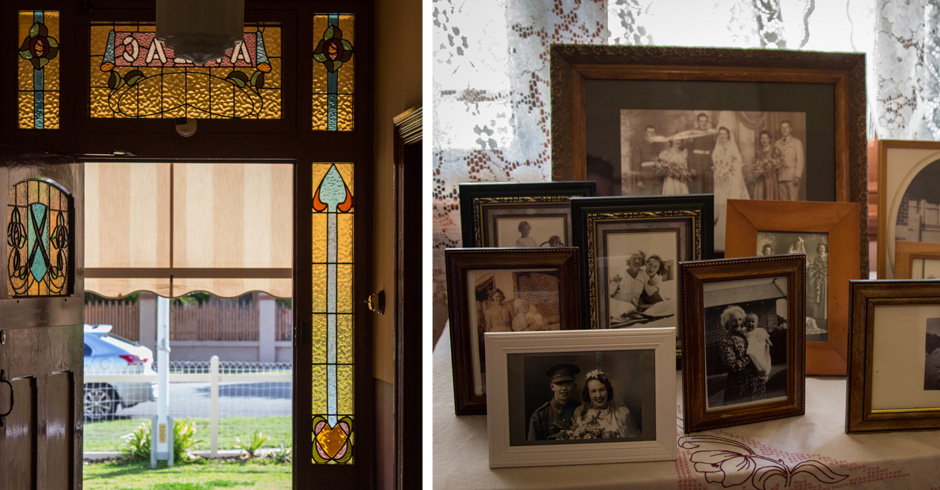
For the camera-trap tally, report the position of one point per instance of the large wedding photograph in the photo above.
(731, 154)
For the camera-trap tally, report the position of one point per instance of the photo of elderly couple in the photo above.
(578, 397)
(745, 341)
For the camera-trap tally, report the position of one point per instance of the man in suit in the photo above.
(790, 174)
(700, 158)
(555, 415)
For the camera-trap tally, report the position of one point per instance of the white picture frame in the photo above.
(642, 357)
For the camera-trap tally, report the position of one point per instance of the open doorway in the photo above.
(216, 238)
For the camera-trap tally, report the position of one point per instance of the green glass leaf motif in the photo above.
(347, 45)
(336, 65)
(52, 42)
(26, 55)
(238, 78)
(319, 57)
(328, 33)
(34, 30)
(42, 62)
(114, 81)
(257, 79)
(132, 77)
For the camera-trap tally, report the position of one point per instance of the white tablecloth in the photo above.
(806, 452)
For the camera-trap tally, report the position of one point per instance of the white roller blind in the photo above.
(221, 228)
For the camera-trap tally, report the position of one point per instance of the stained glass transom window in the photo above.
(38, 69)
(334, 72)
(135, 76)
(39, 240)
(332, 335)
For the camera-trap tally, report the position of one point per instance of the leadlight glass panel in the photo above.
(334, 72)
(39, 240)
(332, 322)
(38, 69)
(135, 76)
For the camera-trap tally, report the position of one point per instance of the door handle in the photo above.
(3, 379)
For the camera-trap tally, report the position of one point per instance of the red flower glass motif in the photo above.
(39, 48)
(333, 50)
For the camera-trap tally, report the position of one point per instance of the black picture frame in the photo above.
(601, 223)
(482, 204)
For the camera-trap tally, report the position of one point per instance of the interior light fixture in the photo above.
(200, 30)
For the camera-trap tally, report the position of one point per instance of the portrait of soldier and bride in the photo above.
(745, 341)
(581, 397)
(731, 154)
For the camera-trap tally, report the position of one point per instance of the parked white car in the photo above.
(107, 353)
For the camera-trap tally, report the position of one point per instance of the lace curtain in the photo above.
(491, 74)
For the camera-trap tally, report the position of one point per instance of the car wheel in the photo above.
(99, 401)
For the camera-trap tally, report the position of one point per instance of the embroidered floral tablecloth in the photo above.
(808, 452)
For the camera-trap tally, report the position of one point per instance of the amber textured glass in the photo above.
(38, 69)
(334, 72)
(135, 76)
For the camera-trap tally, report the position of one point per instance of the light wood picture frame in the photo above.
(504, 289)
(754, 225)
(916, 260)
(894, 363)
(911, 169)
(590, 83)
(724, 384)
(636, 368)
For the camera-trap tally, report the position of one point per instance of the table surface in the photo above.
(811, 451)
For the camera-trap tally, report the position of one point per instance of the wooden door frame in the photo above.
(290, 138)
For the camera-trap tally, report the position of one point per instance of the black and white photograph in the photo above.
(531, 230)
(580, 396)
(745, 341)
(510, 301)
(640, 274)
(932, 355)
(732, 154)
(576, 397)
(816, 248)
(918, 213)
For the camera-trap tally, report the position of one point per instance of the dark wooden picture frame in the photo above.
(480, 203)
(900, 163)
(599, 219)
(466, 339)
(905, 254)
(701, 79)
(900, 350)
(709, 291)
(746, 219)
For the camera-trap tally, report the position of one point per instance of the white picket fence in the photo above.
(232, 373)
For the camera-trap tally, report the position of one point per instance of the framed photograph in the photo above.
(738, 123)
(507, 214)
(557, 398)
(630, 248)
(504, 290)
(811, 228)
(744, 331)
(908, 172)
(894, 358)
(917, 260)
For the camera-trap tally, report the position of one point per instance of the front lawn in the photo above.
(106, 435)
(257, 474)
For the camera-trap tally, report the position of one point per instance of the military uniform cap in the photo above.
(562, 372)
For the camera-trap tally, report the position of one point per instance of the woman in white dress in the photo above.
(674, 161)
(599, 416)
(727, 167)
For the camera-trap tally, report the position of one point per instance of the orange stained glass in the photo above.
(39, 240)
(133, 75)
(334, 72)
(38, 69)
(333, 386)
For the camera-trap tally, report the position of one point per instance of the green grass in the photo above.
(202, 475)
(106, 435)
